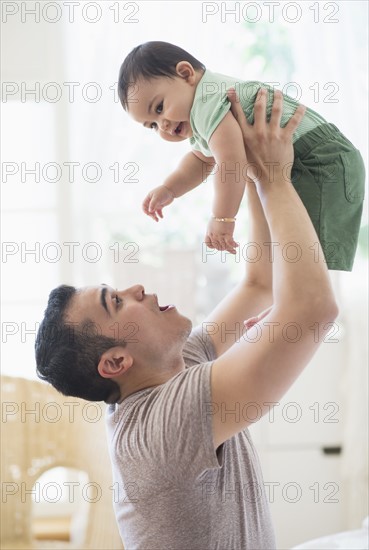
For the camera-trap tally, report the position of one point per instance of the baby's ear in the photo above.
(185, 70)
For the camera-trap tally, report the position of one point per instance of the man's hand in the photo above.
(256, 319)
(269, 148)
(219, 235)
(156, 200)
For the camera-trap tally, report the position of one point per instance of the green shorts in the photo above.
(328, 174)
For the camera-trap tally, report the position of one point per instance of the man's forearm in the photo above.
(254, 293)
(258, 272)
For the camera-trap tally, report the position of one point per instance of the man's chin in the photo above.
(188, 328)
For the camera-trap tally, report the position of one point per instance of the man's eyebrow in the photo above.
(104, 290)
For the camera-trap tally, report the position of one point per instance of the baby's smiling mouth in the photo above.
(179, 128)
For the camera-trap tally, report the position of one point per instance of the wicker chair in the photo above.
(42, 429)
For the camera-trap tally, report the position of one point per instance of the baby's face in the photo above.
(164, 104)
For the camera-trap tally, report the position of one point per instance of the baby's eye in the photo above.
(153, 126)
(159, 108)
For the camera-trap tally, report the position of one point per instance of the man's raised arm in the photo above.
(224, 325)
(263, 364)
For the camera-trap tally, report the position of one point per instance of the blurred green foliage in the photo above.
(271, 45)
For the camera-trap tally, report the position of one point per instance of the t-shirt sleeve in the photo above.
(179, 425)
(199, 348)
(209, 110)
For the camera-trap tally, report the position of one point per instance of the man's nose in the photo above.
(137, 291)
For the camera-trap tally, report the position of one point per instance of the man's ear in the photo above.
(185, 70)
(114, 362)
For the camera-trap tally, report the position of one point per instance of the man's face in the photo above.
(133, 316)
(163, 104)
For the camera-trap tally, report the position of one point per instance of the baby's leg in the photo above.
(329, 175)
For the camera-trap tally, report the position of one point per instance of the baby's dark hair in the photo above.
(151, 60)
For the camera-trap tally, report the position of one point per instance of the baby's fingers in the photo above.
(208, 242)
(230, 245)
(154, 216)
(154, 204)
(145, 204)
(150, 213)
(212, 242)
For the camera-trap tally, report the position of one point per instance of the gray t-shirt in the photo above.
(171, 490)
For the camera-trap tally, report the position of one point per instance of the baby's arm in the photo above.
(227, 146)
(191, 171)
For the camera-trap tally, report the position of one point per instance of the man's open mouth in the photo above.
(165, 308)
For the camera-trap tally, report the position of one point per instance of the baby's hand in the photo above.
(156, 200)
(219, 235)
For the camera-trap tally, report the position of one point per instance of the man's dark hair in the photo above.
(67, 354)
(151, 60)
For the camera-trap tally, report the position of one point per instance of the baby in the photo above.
(165, 88)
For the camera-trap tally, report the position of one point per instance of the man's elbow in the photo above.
(332, 309)
(310, 307)
(323, 309)
(260, 287)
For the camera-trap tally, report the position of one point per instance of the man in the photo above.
(186, 474)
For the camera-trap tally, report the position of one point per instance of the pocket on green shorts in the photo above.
(354, 175)
(342, 204)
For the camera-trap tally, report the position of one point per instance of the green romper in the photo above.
(328, 171)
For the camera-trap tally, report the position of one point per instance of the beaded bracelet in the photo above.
(229, 220)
